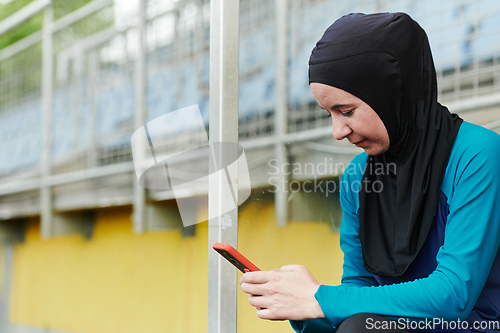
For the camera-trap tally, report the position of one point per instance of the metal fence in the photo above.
(87, 105)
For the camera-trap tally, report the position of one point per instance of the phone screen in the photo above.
(234, 257)
(233, 261)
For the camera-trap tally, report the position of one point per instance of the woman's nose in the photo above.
(340, 128)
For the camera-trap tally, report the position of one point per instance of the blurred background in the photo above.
(83, 248)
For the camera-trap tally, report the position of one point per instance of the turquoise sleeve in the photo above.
(463, 262)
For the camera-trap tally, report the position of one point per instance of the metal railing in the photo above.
(72, 94)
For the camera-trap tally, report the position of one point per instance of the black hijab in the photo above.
(385, 60)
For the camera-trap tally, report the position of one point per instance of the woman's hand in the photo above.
(283, 294)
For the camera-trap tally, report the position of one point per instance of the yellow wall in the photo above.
(157, 282)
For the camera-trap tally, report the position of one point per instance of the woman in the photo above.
(420, 239)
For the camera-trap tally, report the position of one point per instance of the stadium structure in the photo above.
(86, 248)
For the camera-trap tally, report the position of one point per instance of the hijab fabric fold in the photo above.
(385, 60)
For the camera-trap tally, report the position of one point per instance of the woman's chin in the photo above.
(373, 150)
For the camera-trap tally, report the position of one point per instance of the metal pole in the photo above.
(140, 116)
(280, 117)
(222, 277)
(47, 89)
(93, 84)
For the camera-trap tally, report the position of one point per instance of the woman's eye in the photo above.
(329, 114)
(347, 113)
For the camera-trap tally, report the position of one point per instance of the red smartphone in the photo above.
(235, 258)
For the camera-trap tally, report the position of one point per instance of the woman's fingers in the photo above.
(286, 293)
(258, 301)
(255, 277)
(252, 289)
(265, 313)
(254, 282)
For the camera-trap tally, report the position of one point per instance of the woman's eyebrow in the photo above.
(335, 106)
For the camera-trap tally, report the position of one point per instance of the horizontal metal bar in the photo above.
(493, 125)
(32, 184)
(313, 134)
(70, 177)
(333, 149)
(20, 45)
(80, 13)
(268, 141)
(63, 22)
(88, 43)
(154, 15)
(23, 14)
(473, 103)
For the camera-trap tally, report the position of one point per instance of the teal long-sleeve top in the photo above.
(456, 275)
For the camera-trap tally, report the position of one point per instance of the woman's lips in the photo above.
(359, 143)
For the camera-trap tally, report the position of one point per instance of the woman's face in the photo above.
(352, 119)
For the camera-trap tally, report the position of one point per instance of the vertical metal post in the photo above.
(280, 116)
(140, 116)
(178, 45)
(222, 278)
(93, 73)
(47, 90)
(78, 71)
(198, 37)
